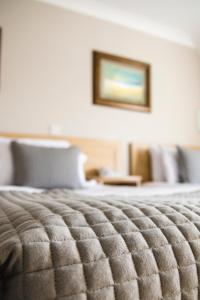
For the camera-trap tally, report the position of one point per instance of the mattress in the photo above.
(65, 246)
(26, 189)
(147, 189)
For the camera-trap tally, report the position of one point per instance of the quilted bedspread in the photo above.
(61, 246)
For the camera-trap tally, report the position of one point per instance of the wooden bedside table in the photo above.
(121, 180)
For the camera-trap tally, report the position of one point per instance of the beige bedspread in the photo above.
(58, 245)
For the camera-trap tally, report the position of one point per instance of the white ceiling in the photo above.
(175, 20)
(180, 14)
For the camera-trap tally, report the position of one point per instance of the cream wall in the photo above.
(46, 77)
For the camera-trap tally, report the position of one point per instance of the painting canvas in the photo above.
(121, 82)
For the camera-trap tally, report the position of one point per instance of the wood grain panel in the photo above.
(100, 153)
(140, 163)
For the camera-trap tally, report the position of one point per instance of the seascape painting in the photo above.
(121, 82)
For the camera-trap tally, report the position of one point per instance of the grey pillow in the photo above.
(189, 165)
(44, 167)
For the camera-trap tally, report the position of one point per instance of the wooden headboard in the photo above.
(140, 163)
(100, 153)
(139, 159)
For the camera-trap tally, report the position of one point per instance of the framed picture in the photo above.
(121, 82)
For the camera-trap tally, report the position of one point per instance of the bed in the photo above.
(81, 244)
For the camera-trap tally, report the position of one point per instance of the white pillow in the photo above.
(157, 168)
(164, 164)
(44, 143)
(170, 164)
(6, 162)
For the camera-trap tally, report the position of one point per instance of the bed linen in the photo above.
(147, 189)
(27, 189)
(65, 246)
(91, 188)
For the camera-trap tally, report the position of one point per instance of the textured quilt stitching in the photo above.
(190, 249)
(129, 252)
(85, 276)
(117, 284)
(51, 254)
(20, 242)
(105, 256)
(51, 209)
(93, 261)
(173, 254)
(153, 255)
(105, 208)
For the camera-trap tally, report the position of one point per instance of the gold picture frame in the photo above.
(121, 82)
